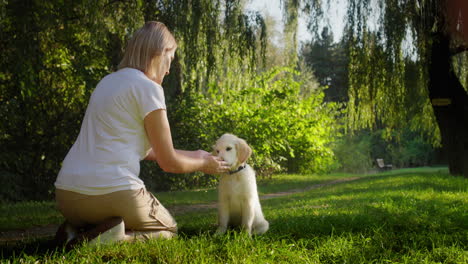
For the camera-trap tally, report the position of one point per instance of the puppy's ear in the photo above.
(243, 151)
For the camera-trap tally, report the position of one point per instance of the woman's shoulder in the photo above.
(138, 77)
(129, 80)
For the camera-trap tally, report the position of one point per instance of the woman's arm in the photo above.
(190, 153)
(194, 153)
(172, 160)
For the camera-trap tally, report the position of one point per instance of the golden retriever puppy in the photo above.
(238, 202)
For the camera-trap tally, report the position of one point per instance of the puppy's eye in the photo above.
(228, 148)
(217, 151)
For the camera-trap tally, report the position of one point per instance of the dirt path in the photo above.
(49, 230)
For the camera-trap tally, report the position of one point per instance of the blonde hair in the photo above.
(147, 44)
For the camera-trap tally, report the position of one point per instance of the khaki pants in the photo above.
(144, 217)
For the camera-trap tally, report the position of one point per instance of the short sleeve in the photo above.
(149, 97)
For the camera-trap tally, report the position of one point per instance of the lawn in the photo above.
(32, 214)
(402, 216)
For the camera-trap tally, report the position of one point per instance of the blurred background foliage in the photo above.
(229, 76)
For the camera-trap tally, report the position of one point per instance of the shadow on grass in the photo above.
(38, 247)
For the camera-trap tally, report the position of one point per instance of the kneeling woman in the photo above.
(98, 190)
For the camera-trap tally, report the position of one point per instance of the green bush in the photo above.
(11, 187)
(353, 153)
(287, 130)
(411, 149)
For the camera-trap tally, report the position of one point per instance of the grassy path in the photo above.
(182, 209)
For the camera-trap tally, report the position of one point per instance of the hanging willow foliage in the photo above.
(215, 38)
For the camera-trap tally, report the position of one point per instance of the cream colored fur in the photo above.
(238, 201)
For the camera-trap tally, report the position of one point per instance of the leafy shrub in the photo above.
(11, 188)
(286, 130)
(353, 153)
(410, 149)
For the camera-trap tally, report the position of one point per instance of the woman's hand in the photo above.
(213, 164)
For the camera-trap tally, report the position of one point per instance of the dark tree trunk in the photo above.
(450, 104)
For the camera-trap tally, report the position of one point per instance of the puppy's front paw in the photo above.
(247, 231)
(220, 231)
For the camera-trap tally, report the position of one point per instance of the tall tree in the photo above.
(291, 16)
(329, 62)
(377, 91)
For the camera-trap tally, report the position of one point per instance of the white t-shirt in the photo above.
(112, 141)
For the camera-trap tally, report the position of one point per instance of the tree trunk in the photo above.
(450, 104)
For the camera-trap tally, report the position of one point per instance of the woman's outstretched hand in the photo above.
(213, 164)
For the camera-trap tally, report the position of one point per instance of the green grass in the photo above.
(24, 215)
(402, 216)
